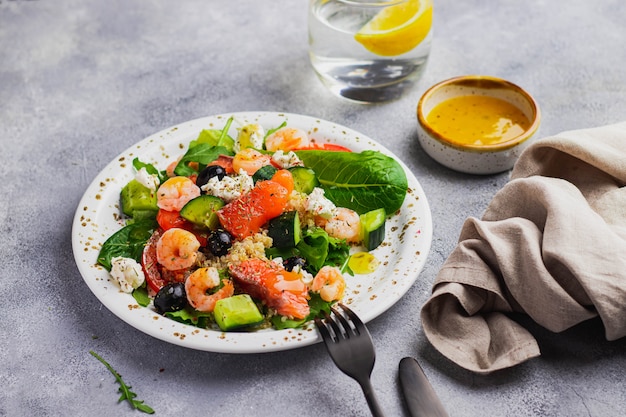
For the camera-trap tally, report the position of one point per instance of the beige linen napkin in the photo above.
(551, 244)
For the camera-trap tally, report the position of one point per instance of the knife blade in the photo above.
(419, 395)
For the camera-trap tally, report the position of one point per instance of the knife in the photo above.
(419, 395)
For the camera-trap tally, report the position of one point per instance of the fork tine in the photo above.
(338, 331)
(348, 329)
(321, 326)
(358, 324)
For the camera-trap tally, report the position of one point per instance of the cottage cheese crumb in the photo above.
(127, 272)
(229, 188)
(319, 205)
(147, 180)
(286, 160)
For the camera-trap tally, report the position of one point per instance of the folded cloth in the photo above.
(551, 245)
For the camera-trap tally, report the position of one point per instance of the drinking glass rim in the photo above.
(371, 3)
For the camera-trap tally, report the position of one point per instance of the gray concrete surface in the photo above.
(80, 81)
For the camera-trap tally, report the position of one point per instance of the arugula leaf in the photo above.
(318, 248)
(137, 164)
(270, 131)
(124, 389)
(362, 181)
(203, 153)
(314, 248)
(127, 242)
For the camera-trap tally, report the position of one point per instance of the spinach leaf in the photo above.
(141, 295)
(360, 181)
(127, 242)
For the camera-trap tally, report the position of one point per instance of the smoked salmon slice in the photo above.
(278, 288)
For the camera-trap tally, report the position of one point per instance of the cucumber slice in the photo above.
(373, 228)
(236, 311)
(136, 197)
(201, 211)
(285, 230)
(304, 179)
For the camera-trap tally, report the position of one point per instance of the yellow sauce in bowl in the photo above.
(477, 120)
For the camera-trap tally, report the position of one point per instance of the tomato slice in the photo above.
(244, 216)
(325, 147)
(170, 219)
(150, 265)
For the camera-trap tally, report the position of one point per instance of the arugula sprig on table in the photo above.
(124, 389)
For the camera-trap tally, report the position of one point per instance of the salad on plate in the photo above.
(252, 230)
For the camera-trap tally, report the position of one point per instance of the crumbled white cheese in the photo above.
(229, 188)
(319, 205)
(286, 160)
(147, 180)
(127, 272)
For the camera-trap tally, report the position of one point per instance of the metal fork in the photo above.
(350, 346)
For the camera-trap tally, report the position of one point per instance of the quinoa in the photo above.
(297, 201)
(249, 248)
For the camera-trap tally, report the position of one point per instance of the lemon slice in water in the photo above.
(397, 29)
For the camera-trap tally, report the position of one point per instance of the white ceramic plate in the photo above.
(402, 254)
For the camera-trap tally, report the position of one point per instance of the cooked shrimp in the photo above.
(177, 249)
(329, 282)
(201, 282)
(345, 224)
(174, 193)
(169, 171)
(287, 139)
(250, 160)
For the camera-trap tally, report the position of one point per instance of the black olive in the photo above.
(219, 241)
(294, 261)
(172, 297)
(209, 172)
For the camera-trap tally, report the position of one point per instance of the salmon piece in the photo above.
(278, 288)
(244, 216)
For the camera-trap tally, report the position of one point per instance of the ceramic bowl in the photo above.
(476, 158)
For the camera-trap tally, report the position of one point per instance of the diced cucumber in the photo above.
(136, 197)
(304, 179)
(236, 312)
(285, 230)
(202, 210)
(264, 173)
(373, 228)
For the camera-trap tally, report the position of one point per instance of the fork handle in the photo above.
(370, 396)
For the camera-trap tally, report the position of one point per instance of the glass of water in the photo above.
(369, 50)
